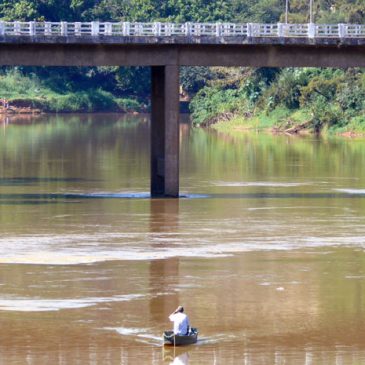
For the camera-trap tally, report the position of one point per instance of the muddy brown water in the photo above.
(265, 250)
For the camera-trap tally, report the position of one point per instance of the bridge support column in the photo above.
(165, 131)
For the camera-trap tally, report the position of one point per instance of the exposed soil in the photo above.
(13, 109)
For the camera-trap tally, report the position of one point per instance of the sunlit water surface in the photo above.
(265, 249)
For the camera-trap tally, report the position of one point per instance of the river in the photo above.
(265, 250)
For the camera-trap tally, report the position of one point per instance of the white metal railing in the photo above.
(158, 29)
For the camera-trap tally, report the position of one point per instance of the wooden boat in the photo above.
(177, 340)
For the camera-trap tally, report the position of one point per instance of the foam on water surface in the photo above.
(120, 195)
(259, 184)
(352, 191)
(66, 250)
(125, 331)
(49, 305)
(143, 335)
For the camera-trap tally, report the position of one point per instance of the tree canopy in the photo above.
(182, 10)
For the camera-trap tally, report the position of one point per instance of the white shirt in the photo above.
(181, 323)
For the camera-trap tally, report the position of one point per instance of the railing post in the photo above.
(2, 28)
(95, 27)
(126, 29)
(311, 30)
(47, 28)
(342, 30)
(17, 28)
(32, 29)
(108, 28)
(157, 29)
(250, 29)
(64, 29)
(281, 30)
(188, 29)
(77, 28)
(218, 29)
(198, 29)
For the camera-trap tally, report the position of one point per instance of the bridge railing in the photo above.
(158, 29)
(293, 30)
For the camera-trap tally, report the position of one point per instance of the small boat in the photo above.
(177, 340)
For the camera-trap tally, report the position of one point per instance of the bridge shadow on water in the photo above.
(57, 198)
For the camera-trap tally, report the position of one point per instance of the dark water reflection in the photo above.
(266, 252)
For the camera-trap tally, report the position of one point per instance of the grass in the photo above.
(276, 118)
(280, 119)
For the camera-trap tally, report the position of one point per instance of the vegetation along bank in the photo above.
(289, 100)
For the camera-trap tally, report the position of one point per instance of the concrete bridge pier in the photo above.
(165, 131)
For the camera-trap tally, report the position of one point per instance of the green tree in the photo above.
(19, 10)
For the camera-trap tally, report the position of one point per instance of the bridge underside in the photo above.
(165, 60)
(245, 55)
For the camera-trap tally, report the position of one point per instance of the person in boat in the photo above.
(181, 321)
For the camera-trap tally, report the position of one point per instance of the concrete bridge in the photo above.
(164, 47)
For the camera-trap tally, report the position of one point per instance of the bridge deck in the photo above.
(181, 40)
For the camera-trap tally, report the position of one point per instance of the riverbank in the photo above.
(80, 102)
(294, 101)
(283, 121)
(27, 94)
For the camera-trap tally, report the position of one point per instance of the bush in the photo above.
(29, 91)
(129, 105)
(14, 84)
(192, 79)
(91, 101)
(211, 102)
